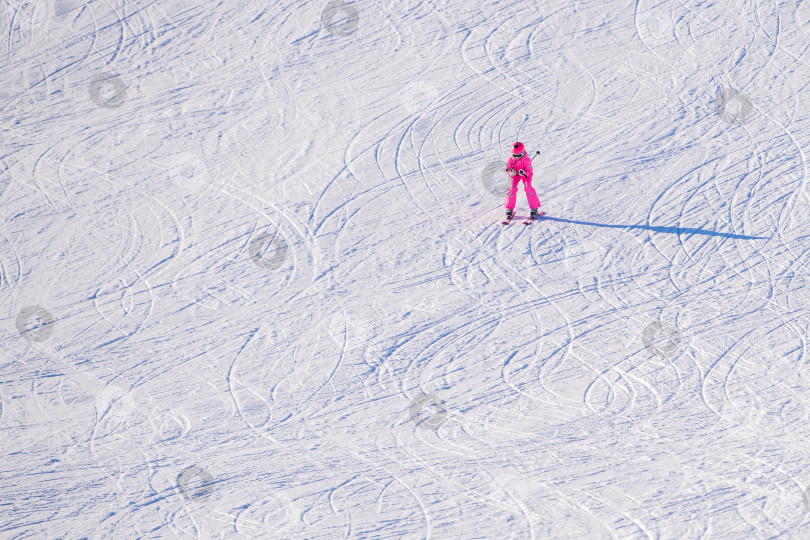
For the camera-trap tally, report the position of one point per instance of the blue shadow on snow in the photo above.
(670, 230)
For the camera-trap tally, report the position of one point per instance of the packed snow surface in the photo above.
(253, 281)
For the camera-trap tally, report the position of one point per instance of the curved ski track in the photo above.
(289, 378)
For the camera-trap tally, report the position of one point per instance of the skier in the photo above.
(519, 167)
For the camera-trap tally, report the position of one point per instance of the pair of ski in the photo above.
(529, 220)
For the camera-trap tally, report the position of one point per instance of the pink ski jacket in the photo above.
(520, 163)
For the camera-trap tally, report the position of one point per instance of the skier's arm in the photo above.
(526, 171)
(510, 168)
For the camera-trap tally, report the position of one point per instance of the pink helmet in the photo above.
(518, 150)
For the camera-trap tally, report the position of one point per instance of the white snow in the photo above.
(283, 305)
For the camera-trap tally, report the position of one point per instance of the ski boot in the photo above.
(534, 214)
(509, 215)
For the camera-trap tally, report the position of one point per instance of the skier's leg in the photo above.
(511, 195)
(531, 194)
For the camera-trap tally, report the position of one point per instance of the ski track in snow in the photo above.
(284, 306)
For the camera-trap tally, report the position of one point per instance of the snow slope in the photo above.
(253, 281)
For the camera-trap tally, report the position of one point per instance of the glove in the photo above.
(522, 173)
(511, 172)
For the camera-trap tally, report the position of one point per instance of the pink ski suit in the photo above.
(513, 166)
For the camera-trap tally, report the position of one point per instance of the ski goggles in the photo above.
(519, 155)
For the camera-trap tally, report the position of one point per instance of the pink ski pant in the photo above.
(511, 195)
